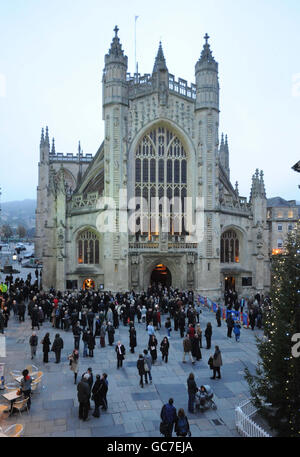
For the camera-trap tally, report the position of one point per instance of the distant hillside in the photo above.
(18, 213)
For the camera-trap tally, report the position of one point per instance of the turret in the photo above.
(44, 146)
(258, 198)
(160, 76)
(224, 155)
(207, 81)
(115, 88)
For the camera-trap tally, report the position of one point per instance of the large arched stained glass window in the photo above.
(230, 247)
(161, 170)
(88, 251)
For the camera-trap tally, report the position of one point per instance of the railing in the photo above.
(59, 156)
(244, 424)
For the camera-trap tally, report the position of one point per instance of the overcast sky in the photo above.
(52, 57)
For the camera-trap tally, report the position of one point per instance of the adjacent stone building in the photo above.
(162, 144)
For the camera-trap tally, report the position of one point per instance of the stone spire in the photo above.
(262, 185)
(53, 147)
(160, 61)
(42, 138)
(256, 186)
(237, 187)
(224, 154)
(206, 54)
(116, 53)
(47, 142)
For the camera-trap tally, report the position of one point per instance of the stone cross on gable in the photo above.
(116, 30)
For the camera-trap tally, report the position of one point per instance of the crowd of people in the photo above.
(91, 314)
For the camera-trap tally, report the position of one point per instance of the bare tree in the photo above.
(21, 231)
(6, 231)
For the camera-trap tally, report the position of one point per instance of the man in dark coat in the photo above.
(35, 318)
(110, 332)
(21, 311)
(57, 346)
(230, 325)
(141, 368)
(218, 316)
(76, 333)
(83, 395)
(168, 416)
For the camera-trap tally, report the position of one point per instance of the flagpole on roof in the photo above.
(135, 62)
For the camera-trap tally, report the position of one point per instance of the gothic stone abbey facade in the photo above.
(161, 140)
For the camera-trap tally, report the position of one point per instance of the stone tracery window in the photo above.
(88, 247)
(230, 247)
(160, 171)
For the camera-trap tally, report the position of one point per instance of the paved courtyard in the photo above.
(132, 411)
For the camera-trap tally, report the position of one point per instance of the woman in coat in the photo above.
(102, 335)
(164, 348)
(192, 390)
(120, 350)
(208, 335)
(74, 362)
(116, 322)
(196, 351)
(217, 363)
(199, 333)
(46, 347)
(96, 396)
(141, 368)
(152, 348)
(182, 426)
(132, 338)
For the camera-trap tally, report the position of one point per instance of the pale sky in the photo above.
(52, 57)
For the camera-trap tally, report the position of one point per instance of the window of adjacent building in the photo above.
(230, 247)
(161, 171)
(290, 227)
(280, 213)
(88, 247)
(290, 214)
(279, 243)
(279, 227)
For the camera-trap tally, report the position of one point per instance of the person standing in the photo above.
(187, 349)
(217, 363)
(132, 338)
(182, 426)
(120, 350)
(152, 345)
(83, 395)
(168, 326)
(26, 386)
(103, 391)
(35, 318)
(102, 335)
(196, 351)
(164, 348)
(46, 347)
(192, 390)
(208, 335)
(110, 333)
(2, 322)
(181, 323)
(148, 362)
(230, 325)
(33, 341)
(74, 363)
(91, 343)
(168, 416)
(96, 396)
(140, 364)
(21, 311)
(85, 342)
(76, 333)
(218, 316)
(57, 346)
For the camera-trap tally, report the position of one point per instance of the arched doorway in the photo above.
(88, 284)
(161, 274)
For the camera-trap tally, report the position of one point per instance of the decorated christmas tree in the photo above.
(275, 388)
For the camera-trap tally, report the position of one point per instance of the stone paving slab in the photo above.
(132, 411)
